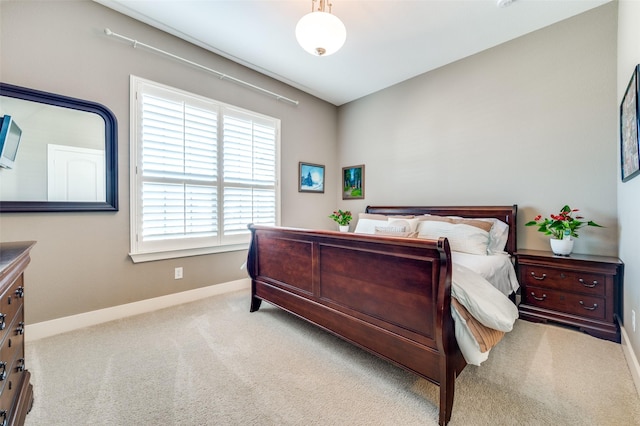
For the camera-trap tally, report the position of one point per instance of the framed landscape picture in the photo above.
(629, 144)
(353, 182)
(310, 177)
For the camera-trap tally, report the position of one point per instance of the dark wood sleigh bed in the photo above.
(390, 296)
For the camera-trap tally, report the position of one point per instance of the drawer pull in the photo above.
(3, 371)
(533, 274)
(3, 324)
(544, 296)
(592, 308)
(3, 416)
(20, 328)
(584, 283)
(20, 366)
(20, 292)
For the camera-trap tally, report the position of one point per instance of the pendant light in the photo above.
(320, 33)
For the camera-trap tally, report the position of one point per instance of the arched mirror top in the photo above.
(57, 153)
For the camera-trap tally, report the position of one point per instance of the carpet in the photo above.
(211, 362)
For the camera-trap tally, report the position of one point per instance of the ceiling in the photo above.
(388, 41)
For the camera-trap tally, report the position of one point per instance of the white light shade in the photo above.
(321, 33)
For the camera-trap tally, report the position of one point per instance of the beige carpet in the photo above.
(212, 362)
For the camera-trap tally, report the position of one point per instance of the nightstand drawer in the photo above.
(577, 304)
(558, 279)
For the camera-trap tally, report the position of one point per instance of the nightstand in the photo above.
(581, 291)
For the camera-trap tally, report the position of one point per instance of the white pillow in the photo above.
(367, 223)
(498, 235)
(393, 231)
(410, 223)
(485, 302)
(391, 228)
(462, 237)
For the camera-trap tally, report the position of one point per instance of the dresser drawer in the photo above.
(559, 279)
(10, 302)
(12, 384)
(570, 303)
(12, 346)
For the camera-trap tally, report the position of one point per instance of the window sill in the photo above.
(173, 254)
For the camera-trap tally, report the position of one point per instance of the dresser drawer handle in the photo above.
(3, 416)
(3, 324)
(533, 274)
(592, 308)
(544, 296)
(3, 370)
(584, 283)
(19, 292)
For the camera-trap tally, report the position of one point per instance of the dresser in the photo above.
(581, 291)
(16, 393)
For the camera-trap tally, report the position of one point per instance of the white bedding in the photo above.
(482, 284)
(486, 303)
(496, 268)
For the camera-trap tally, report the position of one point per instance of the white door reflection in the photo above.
(75, 174)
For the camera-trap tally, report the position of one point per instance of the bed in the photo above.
(387, 293)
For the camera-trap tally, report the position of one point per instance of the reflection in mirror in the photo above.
(66, 157)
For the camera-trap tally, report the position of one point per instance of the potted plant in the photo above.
(342, 218)
(562, 227)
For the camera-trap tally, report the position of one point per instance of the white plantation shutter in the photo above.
(249, 173)
(202, 172)
(171, 211)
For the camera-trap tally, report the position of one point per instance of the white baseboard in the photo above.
(75, 322)
(632, 360)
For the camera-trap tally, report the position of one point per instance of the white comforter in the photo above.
(486, 303)
(496, 268)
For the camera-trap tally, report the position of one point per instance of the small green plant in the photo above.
(559, 225)
(342, 217)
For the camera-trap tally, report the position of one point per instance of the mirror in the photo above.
(66, 156)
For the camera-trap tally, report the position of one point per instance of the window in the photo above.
(201, 171)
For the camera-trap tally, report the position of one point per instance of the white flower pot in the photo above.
(344, 228)
(561, 247)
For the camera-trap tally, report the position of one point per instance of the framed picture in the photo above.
(629, 145)
(310, 177)
(353, 182)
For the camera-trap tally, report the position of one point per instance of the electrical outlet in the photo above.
(178, 273)
(633, 320)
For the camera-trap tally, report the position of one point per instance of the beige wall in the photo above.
(81, 261)
(531, 122)
(629, 192)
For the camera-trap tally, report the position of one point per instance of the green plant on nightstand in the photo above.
(562, 227)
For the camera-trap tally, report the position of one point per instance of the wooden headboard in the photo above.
(507, 214)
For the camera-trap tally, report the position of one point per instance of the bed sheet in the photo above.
(496, 268)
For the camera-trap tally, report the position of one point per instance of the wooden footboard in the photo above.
(390, 296)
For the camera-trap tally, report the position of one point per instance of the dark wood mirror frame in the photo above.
(111, 153)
